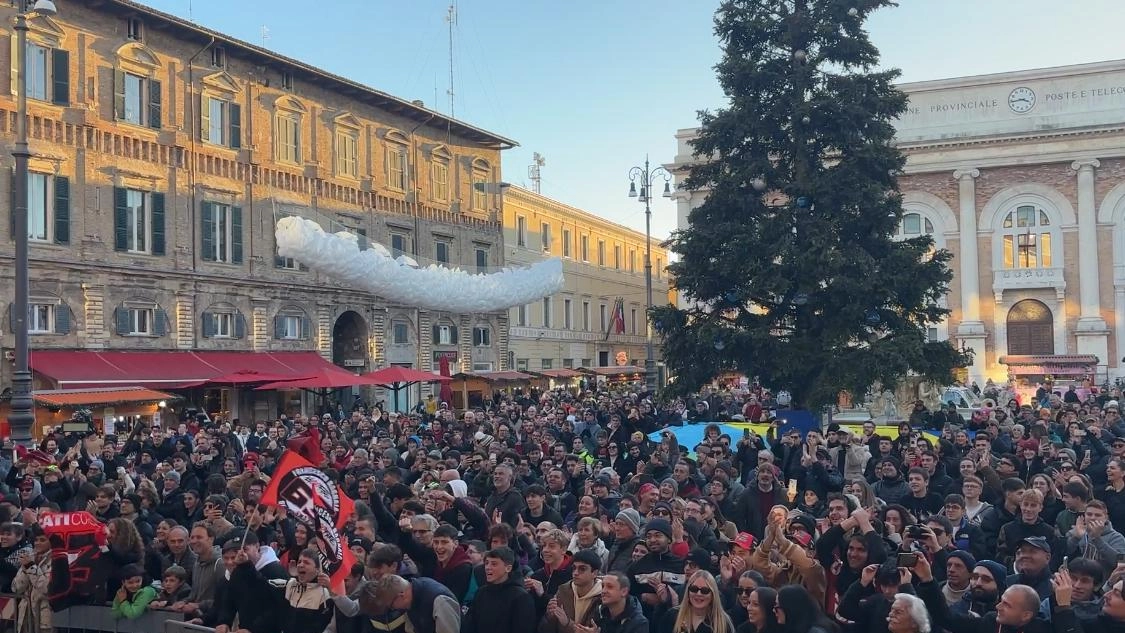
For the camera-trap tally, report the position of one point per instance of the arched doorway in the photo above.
(1031, 329)
(349, 341)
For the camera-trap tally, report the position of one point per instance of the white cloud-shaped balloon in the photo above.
(403, 280)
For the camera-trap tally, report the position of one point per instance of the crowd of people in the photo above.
(554, 512)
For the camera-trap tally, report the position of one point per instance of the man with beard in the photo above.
(1016, 611)
(755, 502)
(987, 580)
(891, 487)
(659, 570)
(626, 528)
(505, 499)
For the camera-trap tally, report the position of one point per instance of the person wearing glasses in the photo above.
(701, 611)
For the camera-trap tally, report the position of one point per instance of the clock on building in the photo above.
(1021, 99)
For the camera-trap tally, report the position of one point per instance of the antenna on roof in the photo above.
(265, 35)
(533, 173)
(451, 18)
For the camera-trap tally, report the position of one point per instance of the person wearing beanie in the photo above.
(659, 570)
(959, 566)
(987, 582)
(626, 534)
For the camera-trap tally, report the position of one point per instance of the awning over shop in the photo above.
(496, 376)
(80, 369)
(1053, 365)
(561, 373)
(619, 370)
(109, 395)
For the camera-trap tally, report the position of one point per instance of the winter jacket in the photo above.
(621, 555)
(667, 623)
(1104, 549)
(891, 490)
(31, 581)
(942, 617)
(991, 520)
(251, 598)
(509, 503)
(134, 606)
(567, 598)
(821, 480)
(501, 608)
(631, 620)
(968, 537)
(798, 568)
(854, 459)
(748, 515)
(1015, 531)
(867, 607)
(305, 606)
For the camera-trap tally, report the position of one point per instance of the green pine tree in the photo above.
(790, 264)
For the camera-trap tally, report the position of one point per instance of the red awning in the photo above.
(394, 374)
(110, 395)
(155, 369)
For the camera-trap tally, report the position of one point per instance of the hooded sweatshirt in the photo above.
(501, 608)
(456, 573)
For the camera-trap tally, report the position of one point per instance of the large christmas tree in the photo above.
(790, 265)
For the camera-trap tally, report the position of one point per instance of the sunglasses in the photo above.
(662, 513)
(703, 591)
(745, 591)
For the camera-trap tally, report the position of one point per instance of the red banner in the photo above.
(316, 502)
(78, 569)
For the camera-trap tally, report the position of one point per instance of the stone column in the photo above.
(1091, 331)
(970, 329)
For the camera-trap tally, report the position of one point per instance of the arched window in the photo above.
(1027, 238)
(913, 225)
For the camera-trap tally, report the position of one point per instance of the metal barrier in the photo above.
(97, 618)
(178, 626)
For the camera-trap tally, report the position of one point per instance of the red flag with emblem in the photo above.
(318, 503)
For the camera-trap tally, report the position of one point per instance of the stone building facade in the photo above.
(603, 263)
(164, 153)
(1021, 176)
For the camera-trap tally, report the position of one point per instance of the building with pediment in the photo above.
(1021, 175)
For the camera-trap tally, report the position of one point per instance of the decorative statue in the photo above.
(930, 395)
(890, 405)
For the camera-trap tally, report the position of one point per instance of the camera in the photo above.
(914, 531)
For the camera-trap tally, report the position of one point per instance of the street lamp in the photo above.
(647, 178)
(22, 412)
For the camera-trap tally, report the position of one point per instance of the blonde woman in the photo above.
(701, 610)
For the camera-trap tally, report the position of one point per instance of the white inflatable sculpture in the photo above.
(402, 280)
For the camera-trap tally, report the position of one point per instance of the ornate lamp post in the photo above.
(22, 414)
(647, 177)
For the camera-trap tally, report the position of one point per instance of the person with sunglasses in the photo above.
(701, 611)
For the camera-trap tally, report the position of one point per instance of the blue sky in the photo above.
(594, 85)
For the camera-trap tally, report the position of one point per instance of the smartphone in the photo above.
(907, 560)
(1066, 559)
(746, 433)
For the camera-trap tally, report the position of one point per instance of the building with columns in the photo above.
(1021, 176)
(163, 155)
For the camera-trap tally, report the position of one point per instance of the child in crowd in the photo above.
(134, 596)
(173, 588)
